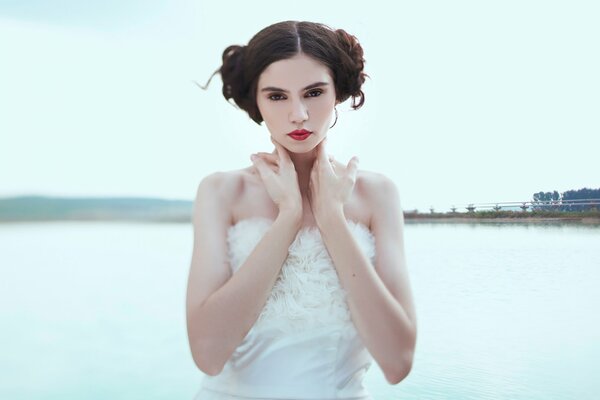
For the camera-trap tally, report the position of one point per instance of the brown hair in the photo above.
(337, 49)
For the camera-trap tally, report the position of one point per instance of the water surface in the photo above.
(97, 311)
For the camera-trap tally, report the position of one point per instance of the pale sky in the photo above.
(468, 101)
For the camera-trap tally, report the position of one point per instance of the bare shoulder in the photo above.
(374, 186)
(380, 195)
(221, 188)
(227, 180)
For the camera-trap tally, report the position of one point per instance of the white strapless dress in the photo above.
(304, 344)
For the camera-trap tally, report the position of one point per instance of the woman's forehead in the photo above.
(294, 73)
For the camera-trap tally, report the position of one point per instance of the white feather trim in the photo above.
(307, 293)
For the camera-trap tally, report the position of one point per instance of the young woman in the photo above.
(298, 276)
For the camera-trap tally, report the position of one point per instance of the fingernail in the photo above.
(253, 157)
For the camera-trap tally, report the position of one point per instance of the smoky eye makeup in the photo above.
(310, 93)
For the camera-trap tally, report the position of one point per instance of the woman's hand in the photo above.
(279, 176)
(329, 188)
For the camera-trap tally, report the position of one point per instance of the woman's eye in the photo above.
(312, 93)
(276, 97)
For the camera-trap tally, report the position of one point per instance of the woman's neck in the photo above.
(303, 163)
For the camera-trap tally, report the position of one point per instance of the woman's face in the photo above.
(296, 93)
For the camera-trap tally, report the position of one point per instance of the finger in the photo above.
(321, 152)
(352, 168)
(322, 158)
(263, 169)
(268, 156)
(333, 164)
(281, 151)
(313, 170)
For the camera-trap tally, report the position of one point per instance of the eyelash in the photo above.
(320, 92)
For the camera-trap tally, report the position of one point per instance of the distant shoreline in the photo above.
(408, 218)
(530, 220)
(153, 210)
(584, 217)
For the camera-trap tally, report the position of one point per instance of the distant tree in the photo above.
(556, 197)
(581, 194)
(541, 200)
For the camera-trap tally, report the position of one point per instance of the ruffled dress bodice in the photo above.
(304, 344)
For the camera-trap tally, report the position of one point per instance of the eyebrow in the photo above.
(276, 89)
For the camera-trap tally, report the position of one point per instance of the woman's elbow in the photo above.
(204, 363)
(401, 369)
(400, 373)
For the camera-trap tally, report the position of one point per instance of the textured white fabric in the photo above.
(303, 344)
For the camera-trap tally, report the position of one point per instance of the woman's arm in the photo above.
(379, 298)
(221, 308)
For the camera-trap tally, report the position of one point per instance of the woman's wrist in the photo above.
(293, 214)
(331, 216)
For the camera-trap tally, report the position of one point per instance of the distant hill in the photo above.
(42, 208)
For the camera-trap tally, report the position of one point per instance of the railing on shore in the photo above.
(556, 205)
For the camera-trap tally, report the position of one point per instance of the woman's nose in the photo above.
(299, 112)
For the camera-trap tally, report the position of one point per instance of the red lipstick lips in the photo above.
(299, 134)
